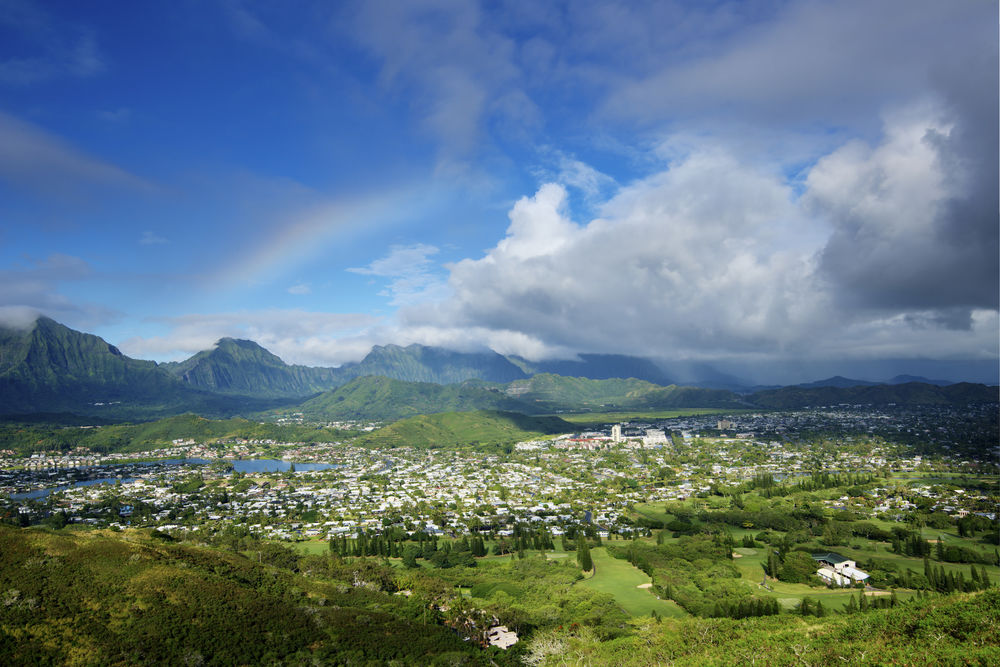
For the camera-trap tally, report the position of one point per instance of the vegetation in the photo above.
(25, 438)
(473, 429)
(92, 598)
(385, 399)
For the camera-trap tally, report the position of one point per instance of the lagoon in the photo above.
(239, 465)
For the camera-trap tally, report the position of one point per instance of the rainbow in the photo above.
(295, 242)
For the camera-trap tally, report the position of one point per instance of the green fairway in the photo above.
(622, 580)
(598, 418)
(311, 547)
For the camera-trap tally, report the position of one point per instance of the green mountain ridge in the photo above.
(245, 368)
(911, 393)
(387, 399)
(50, 368)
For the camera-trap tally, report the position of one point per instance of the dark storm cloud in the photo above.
(949, 260)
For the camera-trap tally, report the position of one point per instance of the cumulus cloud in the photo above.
(906, 233)
(693, 259)
(718, 258)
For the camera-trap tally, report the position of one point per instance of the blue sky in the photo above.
(782, 185)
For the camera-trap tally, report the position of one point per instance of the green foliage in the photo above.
(100, 599)
(465, 428)
(385, 399)
(244, 368)
(51, 368)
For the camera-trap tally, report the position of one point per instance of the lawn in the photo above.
(311, 547)
(600, 418)
(621, 579)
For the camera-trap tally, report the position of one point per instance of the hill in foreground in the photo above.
(94, 597)
(87, 598)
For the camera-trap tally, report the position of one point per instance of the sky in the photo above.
(773, 189)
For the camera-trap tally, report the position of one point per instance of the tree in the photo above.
(583, 554)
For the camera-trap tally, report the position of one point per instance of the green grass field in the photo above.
(621, 579)
(598, 418)
(311, 547)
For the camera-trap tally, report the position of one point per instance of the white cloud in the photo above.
(297, 336)
(451, 61)
(300, 288)
(411, 272)
(36, 288)
(47, 47)
(31, 157)
(152, 238)
(692, 259)
(719, 258)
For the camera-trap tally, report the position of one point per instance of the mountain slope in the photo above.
(245, 368)
(596, 367)
(381, 398)
(420, 363)
(555, 392)
(52, 368)
(483, 427)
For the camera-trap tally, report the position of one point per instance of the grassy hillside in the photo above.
(951, 630)
(385, 399)
(87, 598)
(482, 427)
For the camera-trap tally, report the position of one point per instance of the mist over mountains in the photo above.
(50, 368)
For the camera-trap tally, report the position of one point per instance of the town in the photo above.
(594, 477)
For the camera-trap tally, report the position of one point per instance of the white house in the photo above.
(837, 570)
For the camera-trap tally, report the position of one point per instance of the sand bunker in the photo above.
(644, 586)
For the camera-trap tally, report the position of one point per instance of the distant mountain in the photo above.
(844, 383)
(556, 392)
(49, 367)
(913, 393)
(245, 368)
(420, 363)
(905, 379)
(386, 399)
(837, 381)
(596, 367)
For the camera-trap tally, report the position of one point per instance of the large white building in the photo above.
(837, 570)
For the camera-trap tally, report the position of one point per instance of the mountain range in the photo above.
(50, 368)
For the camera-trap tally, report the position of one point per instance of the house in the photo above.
(837, 570)
(501, 636)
